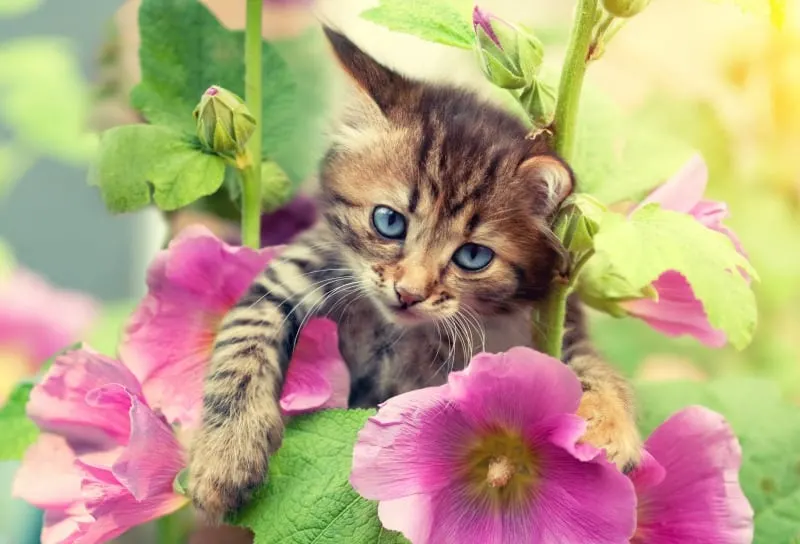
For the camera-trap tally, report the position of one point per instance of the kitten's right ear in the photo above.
(383, 85)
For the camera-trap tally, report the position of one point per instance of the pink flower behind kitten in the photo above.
(36, 321)
(168, 341)
(677, 311)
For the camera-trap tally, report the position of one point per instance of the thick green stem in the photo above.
(173, 528)
(569, 88)
(552, 312)
(251, 173)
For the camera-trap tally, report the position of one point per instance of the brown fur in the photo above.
(460, 171)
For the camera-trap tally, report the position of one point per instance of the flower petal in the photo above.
(63, 527)
(47, 478)
(683, 190)
(410, 515)
(58, 404)
(517, 388)
(168, 341)
(153, 457)
(699, 499)
(115, 510)
(39, 319)
(676, 312)
(318, 376)
(409, 446)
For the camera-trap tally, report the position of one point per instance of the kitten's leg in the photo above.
(242, 423)
(607, 403)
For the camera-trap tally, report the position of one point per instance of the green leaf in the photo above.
(137, 160)
(45, 99)
(184, 50)
(17, 430)
(441, 21)
(620, 157)
(308, 498)
(15, 8)
(640, 248)
(769, 433)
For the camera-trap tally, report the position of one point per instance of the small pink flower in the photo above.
(492, 457)
(192, 285)
(688, 483)
(677, 311)
(483, 20)
(36, 321)
(105, 461)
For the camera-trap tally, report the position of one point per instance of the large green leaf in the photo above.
(137, 160)
(651, 241)
(45, 99)
(308, 498)
(184, 50)
(17, 430)
(441, 21)
(769, 432)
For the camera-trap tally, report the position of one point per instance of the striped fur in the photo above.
(460, 171)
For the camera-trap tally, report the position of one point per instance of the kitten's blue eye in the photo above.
(473, 257)
(389, 223)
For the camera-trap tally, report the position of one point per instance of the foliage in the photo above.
(309, 497)
(17, 430)
(445, 22)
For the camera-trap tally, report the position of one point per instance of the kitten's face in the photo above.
(440, 201)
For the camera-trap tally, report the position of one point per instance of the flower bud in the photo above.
(625, 8)
(510, 57)
(539, 100)
(224, 124)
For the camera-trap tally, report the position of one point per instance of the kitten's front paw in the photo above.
(611, 426)
(226, 468)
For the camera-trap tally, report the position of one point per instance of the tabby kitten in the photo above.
(434, 232)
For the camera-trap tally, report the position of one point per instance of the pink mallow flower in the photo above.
(677, 311)
(36, 322)
(688, 483)
(493, 457)
(168, 341)
(105, 461)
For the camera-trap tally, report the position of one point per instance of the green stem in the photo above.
(172, 528)
(552, 312)
(599, 41)
(569, 88)
(251, 173)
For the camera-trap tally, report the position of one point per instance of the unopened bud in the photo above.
(539, 100)
(224, 124)
(625, 8)
(510, 56)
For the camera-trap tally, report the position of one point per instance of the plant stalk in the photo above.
(569, 87)
(251, 173)
(551, 314)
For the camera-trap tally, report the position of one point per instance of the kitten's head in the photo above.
(441, 202)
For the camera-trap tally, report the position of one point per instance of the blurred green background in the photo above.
(724, 82)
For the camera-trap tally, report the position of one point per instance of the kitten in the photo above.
(434, 230)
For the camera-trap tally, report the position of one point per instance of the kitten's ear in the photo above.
(384, 86)
(552, 181)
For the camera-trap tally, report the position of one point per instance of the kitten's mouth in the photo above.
(406, 315)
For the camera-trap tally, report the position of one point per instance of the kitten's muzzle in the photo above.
(407, 298)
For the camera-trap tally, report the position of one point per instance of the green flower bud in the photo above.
(625, 8)
(510, 57)
(539, 100)
(224, 124)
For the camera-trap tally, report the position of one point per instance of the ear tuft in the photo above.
(383, 85)
(552, 178)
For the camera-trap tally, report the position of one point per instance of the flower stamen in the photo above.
(500, 471)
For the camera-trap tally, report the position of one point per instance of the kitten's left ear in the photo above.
(552, 181)
(384, 86)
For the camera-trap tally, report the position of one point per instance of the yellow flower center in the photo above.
(501, 468)
(15, 364)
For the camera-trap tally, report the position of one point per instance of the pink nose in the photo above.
(407, 297)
